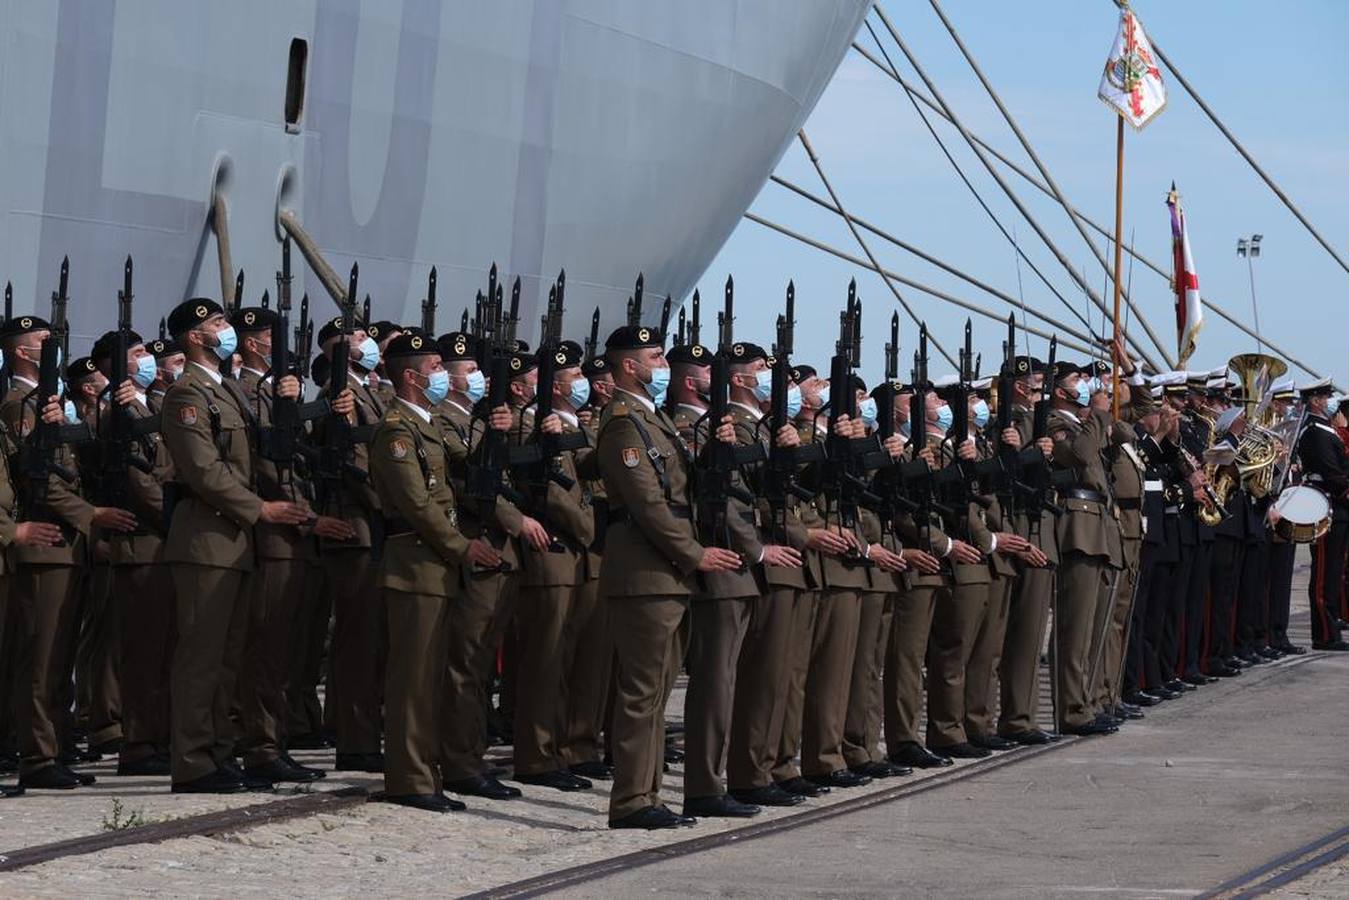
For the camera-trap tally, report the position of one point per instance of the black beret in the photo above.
(162, 347)
(191, 313)
(23, 325)
(898, 387)
(333, 327)
(380, 330)
(1098, 367)
(253, 318)
(633, 337)
(690, 354)
(523, 363)
(457, 346)
(80, 368)
(521, 346)
(567, 355)
(1062, 369)
(597, 366)
(1026, 365)
(411, 345)
(803, 373)
(580, 352)
(745, 352)
(102, 348)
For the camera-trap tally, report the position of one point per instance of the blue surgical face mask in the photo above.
(980, 414)
(175, 373)
(793, 402)
(476, 388)
(659, 384)
(1332, 406)
(580, 393)
(945, 419)
(1083, 392)
(437, 387)
(227, 341)
(824, 396)
(369, 354)
(72, 416)
(763, 385)
(145, 372)
(867, 410)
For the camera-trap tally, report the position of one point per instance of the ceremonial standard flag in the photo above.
(1132, 83)
(1189, 309)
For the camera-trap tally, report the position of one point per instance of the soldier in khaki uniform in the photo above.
(551, 580)
(169, 363)
(646, 476)
(205, 426)
(383, 333)
(45, 590)
(419, 570)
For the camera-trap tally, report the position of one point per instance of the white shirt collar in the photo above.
(568, 417)
(757, 414)
(140, 395)
(214, 373)
(425, 414)
(463, 409)
(1070, 416)
(26, 381)
(645, 401)
(262, 376)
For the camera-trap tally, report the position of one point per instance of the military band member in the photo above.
(1282, 552)
(1325, 465)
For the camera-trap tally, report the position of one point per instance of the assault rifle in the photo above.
(719, 460)
(485, 477)
(593, 341)
(784, 462)
(429, 307)
(280, 442)
(890, 478)
(845, 488)
(230, 305)
(695, 321)
(304, 340)
(115, 453)
(340, 437)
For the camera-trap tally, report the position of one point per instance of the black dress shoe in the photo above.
(11, 790)
(593, 769)
(993, 742)
(963, 750)
(1199, 679)
(1332, 645)
(1251, 658)
(313, 772)
(1142, 698)
(839, 779)
(359, 762)
(557, 780)
(651, 818)
(1032, 738)
(1292, 649)
(217, 782)
(721, 806)
(437, 803)
(1236, 662)
(673, 755)
(1178, 686)
(251, 782)
(1223, 670)
(918, 757)
(54, 777)
(1125, 711)
(1164, 693)
(768, 795)
(800, 787)
(1270, 653)
(84, 778)
(880, 769)
(146, 765)
(312, 741)
(483, 786)
(1093, 727)
(277, 770)
(9, 762)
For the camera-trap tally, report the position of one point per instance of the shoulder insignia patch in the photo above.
(631, 457)
(398, 449)
(188, 415)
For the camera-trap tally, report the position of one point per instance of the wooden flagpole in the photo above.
(1119, 258)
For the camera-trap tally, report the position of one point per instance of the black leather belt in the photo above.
(1084, 494)
(1128, 502)
(677, 510)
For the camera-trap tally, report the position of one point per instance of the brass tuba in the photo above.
(1260, 445)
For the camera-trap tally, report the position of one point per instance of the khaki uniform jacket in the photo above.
(655, 543)
(217, 508)
(63, 505)
(145, 496)
(357, 501)
(275, 541)
(409, 469)
(463, 437)
(9, 501)
(1126, 473)
(930, 536)
(1086, 526)
(569, 517)
(834, 571)
(1038, 527)
(748, 432)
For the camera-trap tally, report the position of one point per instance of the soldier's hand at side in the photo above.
(114, 519)
(719, 559)
(965, 553)
(535, 535)
(967, 450)
(886, 559)
(894, 445)
(345, 404)
(37, 534)
(1011, 437)
(501, 418)
(53, 413)
(1034, 557)
(826, 541)
(1011, 543)
(1046, 446)
(781, 556)
(925, 563)
(334, 529)
(551, 424)
(787, 436)
(288, 387)
(283, 512)
(125, 394)
(482, 554)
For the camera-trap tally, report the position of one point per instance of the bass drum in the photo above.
(1305, 514)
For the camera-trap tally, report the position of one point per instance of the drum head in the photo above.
(1303, 505)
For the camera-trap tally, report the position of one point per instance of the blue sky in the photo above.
(1275, 74)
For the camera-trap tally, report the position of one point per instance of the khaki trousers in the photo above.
(276, 588)
(304, 712)
(648, 639)
(717, 634)
(589, 666)
(981, 689)
(46, 603)
(1019, 671)
(862, 728)
(145, 596)
(541, 687)
(828, 681)
(413, 684)
(477, 619)
(955, 625)
(804, 613)
(903, 678)
(1083, 581)
(358, 649)
(98, 658)
(761, 687)
(1112, 662)
(201, 691)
